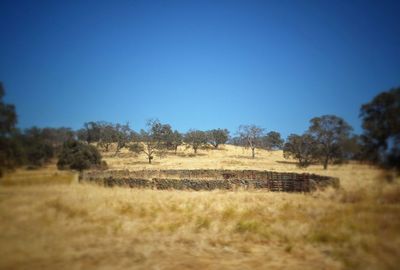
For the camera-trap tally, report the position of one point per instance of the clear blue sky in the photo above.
(197, 64)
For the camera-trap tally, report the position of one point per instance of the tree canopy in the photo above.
(196, 139)
(76, 155)
(330, 132)
(300, 147)
(272, 141)
(217, 137)
(381, 125)
(152, 141)
(10, 149)
(250, 136)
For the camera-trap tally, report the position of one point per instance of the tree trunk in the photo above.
(252, 152)
(195, 150)
(326, 163)
(176, 149)
(150, 158)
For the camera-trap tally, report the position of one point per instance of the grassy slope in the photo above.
(48, 221)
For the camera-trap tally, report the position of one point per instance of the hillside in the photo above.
(50, 221)
(237, 158)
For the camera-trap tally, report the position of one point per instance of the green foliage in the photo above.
(82, 134)
(57, 136)
(106, 134)
(8, 116)
(173, 140)
(153, 140)
(352, 148)
(33, 147)
(78, 156)
(381, 124)
(272, 140)
(217, 137)
(10, 154)
(302, 148)
(91, 132)
(196, 139)
(38, 149)
(123, 134)
(330, 132)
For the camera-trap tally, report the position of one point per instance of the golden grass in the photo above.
(81, 226)
(45, 176)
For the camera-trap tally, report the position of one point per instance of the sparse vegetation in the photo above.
(87, 183)
(48, 215)
(259, 229)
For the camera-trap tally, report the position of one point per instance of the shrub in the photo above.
(78, 156)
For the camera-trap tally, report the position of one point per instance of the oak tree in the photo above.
(251, 135)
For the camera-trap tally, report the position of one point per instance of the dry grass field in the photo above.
(50, 221)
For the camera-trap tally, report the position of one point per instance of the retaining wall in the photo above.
(210, 179)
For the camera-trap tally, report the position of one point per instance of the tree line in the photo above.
(329, 139)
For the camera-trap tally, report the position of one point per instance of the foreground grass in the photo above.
(49, 221)
(83, 226)
(47, 175)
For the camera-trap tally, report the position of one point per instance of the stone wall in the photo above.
(210, 179)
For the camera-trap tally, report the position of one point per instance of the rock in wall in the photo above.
(211, 179)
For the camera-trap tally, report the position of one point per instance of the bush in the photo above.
(78, 156)
(38, 153)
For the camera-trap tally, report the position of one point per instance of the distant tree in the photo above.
(124, 135)
(76, 155)
(352, 148)
(272, 141)
(250, 135)
(301, 148)
(217, 137)
(82, 134)
(151, 141)
(381, 124)
(196, 139)
(108, 135)
(330, 132)
(11, 153)
(10, 150)
(8, 116)
(38, 147)
(92, 132)
(173, 140)
(236, 140)
(34, 146)
(55, 137)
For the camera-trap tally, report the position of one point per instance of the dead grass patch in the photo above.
(81, 226)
